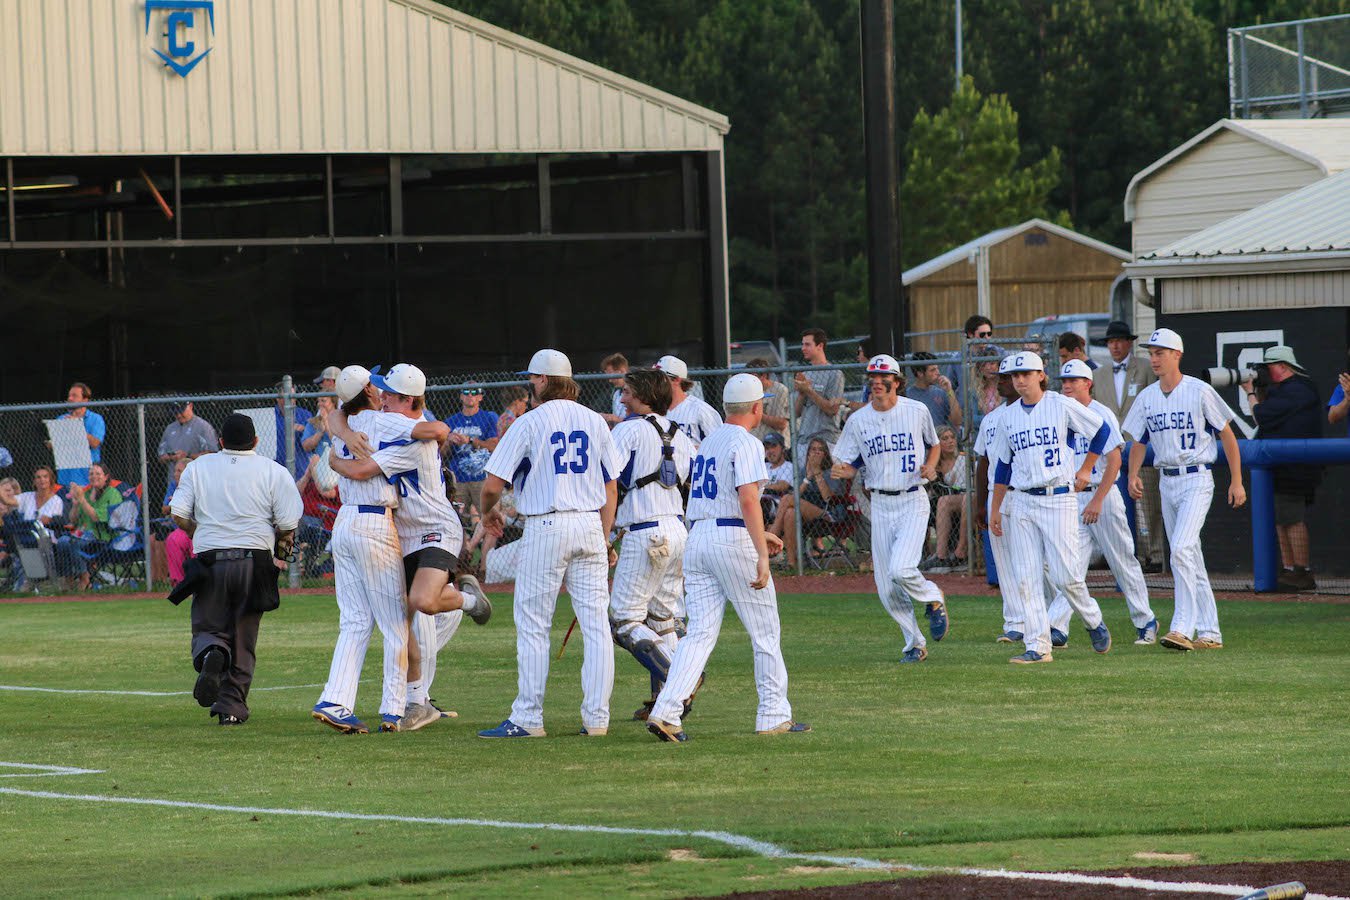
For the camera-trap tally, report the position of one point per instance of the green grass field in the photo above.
(964, 760)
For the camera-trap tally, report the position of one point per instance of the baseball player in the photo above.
(367, 569)
(894, 439)
(727, 558)
(1102, 517)
(985, 442)
(1036, 458)
(1179, 415)
(562, 461)
(429, 533)
(696, 418)
(647, 599)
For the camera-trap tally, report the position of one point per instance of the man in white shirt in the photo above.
(695, 417)
(242, 511)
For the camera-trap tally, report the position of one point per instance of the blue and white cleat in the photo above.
(1058, 638)
(1009, 637)
(339, 718)
(509, 729)
(1149, 633)
(938, 621)
(914, 655)
(1030, 657)
(788, 727)
(391, 722)
(1100, 637)
(666, 731)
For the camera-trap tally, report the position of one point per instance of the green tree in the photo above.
(963, 177)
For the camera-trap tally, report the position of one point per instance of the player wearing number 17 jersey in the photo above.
(562, 461)
(1179, 416)
(894, 439)
(727, 558)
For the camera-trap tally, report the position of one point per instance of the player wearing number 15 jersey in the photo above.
(562, 461)
(894, 439)
(727, 558)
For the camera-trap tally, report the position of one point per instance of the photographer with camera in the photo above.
(1286, 404)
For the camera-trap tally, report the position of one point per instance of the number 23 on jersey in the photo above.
(571, 452)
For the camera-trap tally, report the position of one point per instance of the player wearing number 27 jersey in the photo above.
(562, 461)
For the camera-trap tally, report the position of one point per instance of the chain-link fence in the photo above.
(1290, 69)
(87, 484)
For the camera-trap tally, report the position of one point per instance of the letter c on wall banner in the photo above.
(181, 32)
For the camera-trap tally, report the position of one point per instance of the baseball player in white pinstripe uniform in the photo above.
(985, 443)
(894, 439)
(1102, 518)
(1035, 456)
(727, 558)
(1179, 415)
(696, 418)
(429, 533)
(562, 461)
(648, 594)
(367, 562)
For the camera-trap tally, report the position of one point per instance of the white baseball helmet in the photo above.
(883, 365)
(1026, 361)
(1165, 338)
(743, 388)
(673, 366)
(1075, 368)
(403, 378)
(350, 382)
(549, 362)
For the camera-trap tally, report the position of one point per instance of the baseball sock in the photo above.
(417, 692)
(471, 601)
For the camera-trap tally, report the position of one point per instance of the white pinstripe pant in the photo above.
(650, 592)
(1042, 539)
(368, 579)
(558, 547)
(1111, 533)
(1003, 565)
(1185, 501)
(719, 564)
(899, 526)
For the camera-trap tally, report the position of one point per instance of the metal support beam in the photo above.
(545, 195)
(328, 194)
(886, 296)
(395, 194)
(178, 198)
(718, 290)
(9, 196)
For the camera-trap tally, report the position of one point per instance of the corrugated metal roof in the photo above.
(1323, 143)
(84, 77)
(998, 236)
(1314, 219)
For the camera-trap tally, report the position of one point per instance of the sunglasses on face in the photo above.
(979, 334)
(471, 393)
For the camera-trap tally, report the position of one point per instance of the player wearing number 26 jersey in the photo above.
(726, 558)
(562, 461)
(893, 438)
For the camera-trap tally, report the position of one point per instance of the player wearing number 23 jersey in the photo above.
(562, 461)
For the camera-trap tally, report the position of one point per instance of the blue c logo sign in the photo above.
(180, 26)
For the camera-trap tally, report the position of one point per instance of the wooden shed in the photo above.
(1029, 270)
(1231, 167)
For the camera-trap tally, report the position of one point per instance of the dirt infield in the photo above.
(1320, 877)
(841, 583)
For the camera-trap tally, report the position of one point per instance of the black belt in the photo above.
(639, 526)
(897, 493)
(1185, 470)
(1047, 491)
(732, 523)
(370, 508)
(226, 555)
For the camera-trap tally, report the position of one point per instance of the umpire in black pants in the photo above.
(241, 510)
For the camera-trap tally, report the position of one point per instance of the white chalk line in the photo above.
(47, 690)
(43, 771)
(740, 842)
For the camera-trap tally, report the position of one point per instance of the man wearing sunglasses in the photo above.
(473, 436)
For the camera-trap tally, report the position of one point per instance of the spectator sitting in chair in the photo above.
(822, 495)
(89, 511)
(43, 503)
(780, 476)
(316, 523)
(177, 544)
(9, 506)
(949, 505)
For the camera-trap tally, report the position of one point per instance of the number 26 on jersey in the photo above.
(703, 478)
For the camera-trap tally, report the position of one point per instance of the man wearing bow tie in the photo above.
(1115, 387)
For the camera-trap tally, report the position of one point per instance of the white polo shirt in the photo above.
(239, 500)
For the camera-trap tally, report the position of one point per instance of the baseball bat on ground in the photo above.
(567, 637)
(1290, 890)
